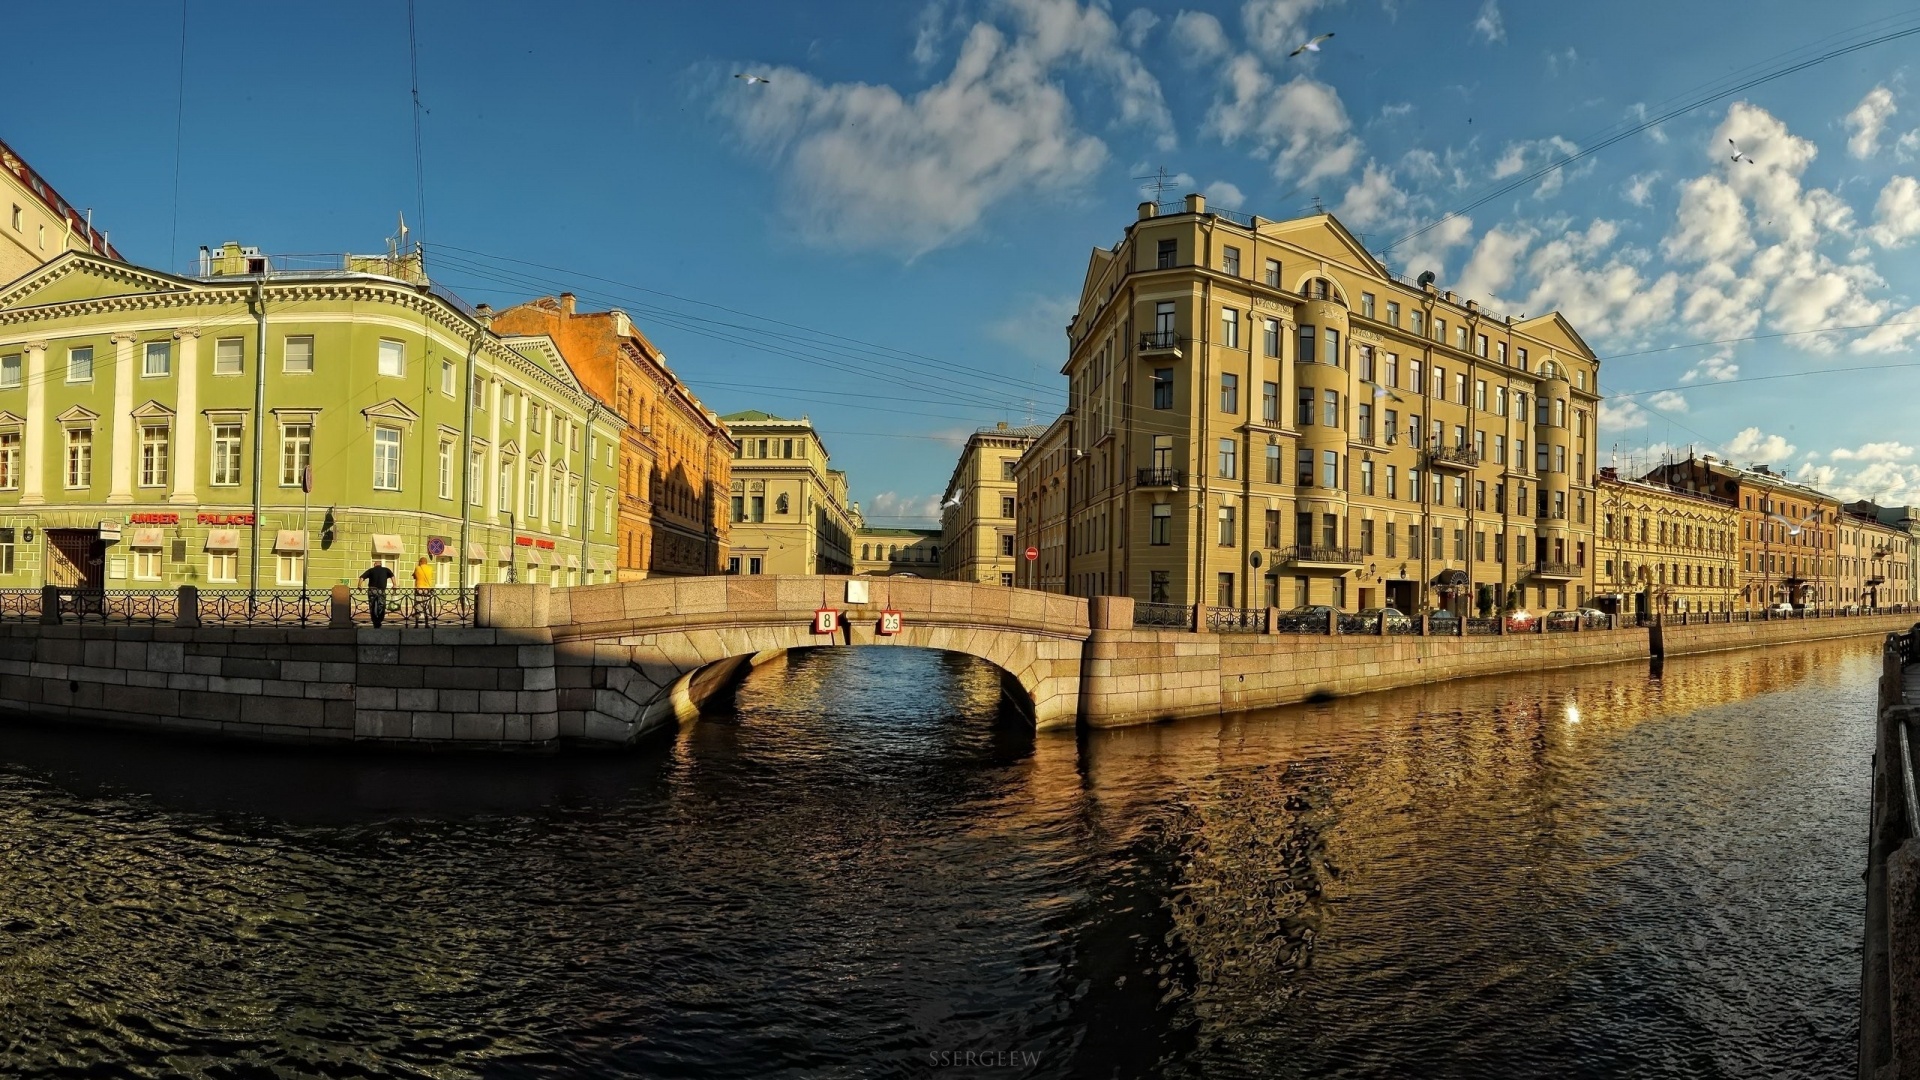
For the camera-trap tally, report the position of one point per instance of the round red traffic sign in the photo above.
(1033, 553)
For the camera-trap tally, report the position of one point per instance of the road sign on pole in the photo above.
(1033, 553)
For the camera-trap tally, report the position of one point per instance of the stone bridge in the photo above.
(634, 656)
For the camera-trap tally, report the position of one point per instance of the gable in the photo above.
(391, 409)
(76, 276)
(1555, 330)
(541, 350)
(1323, 235)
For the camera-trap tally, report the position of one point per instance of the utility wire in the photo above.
(419, 157)
(179, 126)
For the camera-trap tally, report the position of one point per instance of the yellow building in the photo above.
(1264, 415)
(1041, 503)
(789, 510)
(1664, 549)
(39, 224)
(1874, 561)
(977, 514)
(882, 552)
(1788, 532)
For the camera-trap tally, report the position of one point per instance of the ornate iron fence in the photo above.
(1482, 627)
(1172, 616)
(1237, 620)
(419, 607)
(119, 605)
(294, 607)
(19, 605)
(1356, 624)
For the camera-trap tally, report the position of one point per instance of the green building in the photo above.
(144, 443)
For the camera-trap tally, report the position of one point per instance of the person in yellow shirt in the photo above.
(423, 592)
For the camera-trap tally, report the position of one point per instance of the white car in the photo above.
(1781, 608)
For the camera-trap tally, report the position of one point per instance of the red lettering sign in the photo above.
(225, 519)
(544, 545)
(153, 519)
(523, 541)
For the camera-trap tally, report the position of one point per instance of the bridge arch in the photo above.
(633, 657)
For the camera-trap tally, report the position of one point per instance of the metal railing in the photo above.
(1221, 620)
(1460, 456)
(1547, 568)
(1356, 624)
(1316, 553)
(1174, 616)
(19, 605)
(419, 607)
(119, 605)
(238, 607)
(297, 607)
(1159, 339)
(1482, 627)
(1161, 477)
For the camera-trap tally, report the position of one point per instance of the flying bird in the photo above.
(1739, 154)
(751, 79)
(1311, 46)
(1381, 391)
(1795, 528)
(953, 502)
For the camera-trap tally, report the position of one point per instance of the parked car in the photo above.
(1306, 617)
(1781, 610)
(1594, 618)
(1397, 621)
(1520, 621)
(1442, 622)
(1562, 619)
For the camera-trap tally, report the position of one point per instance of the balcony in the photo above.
(1453, 457)
(1558, 571)
(1158, 478)
(1314, 556)
(1160, 343)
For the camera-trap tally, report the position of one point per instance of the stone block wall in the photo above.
(1716, 637)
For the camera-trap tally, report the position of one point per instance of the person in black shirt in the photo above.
(376, 577)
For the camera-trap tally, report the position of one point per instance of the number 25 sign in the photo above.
(889, 622)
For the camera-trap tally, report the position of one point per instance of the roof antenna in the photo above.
(1159, 181)
(1318, 207)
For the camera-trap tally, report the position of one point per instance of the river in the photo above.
(864, 867)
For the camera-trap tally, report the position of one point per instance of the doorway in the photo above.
(76, 558)
(1400, 596)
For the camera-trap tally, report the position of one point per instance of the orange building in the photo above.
(676, 459)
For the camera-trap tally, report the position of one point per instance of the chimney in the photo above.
(1002, 425)
(1196, 203)
(566, 303)
(1148, 210)
(484, 313)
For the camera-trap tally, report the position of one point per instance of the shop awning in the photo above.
(145, 538)
(1450, 578)
(387, 544)
(223, 540)
(476, 552)
(291, 541)
(533, 556)
(573, 562)
(506, 553)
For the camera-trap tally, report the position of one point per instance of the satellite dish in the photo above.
(1425, 279)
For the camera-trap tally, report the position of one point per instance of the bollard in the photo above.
(186, 610)
(50, 605)
(1333, 621)
(340, 608)
(1273, 620)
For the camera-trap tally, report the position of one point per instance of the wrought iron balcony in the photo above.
(1453, 457)
(1560, 571)
(1160, 341)
(1162, 477)
(1320, 555)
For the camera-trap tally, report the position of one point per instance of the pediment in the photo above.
(76, 275)
(1323, 235)
(1553, 329)
(78, 414)
(541, 349)
(153, 409)
(391, 409)
(510, 448)
(7, 419)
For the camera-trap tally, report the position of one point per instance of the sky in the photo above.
(888, 236)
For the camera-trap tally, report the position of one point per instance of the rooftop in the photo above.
(75, 219)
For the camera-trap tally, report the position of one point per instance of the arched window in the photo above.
(866, 551)
(780, 505)
(893, 552)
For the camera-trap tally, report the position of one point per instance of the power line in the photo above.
(1763, 378)
(419, 157)
(179, 126)
(1762, 337)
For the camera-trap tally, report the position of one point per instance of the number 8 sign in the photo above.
(826, 621)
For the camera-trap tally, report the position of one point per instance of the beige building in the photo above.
(1788, 531)
(977, 514)
(1264, 415)
(40, 224)
(789, 510)
(881, 552)
(1874, 559)
(1664, 549)
(1041, 503)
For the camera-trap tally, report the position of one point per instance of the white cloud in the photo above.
(930, 28)
(1711, 224)
(891, 509)
(1751, 445)
(866, 167)
(1301, 123)
(1622, 414)
(1818, 477)
(1719, 368)
(1374, 201)
(1638, 110)
(1867, 120)
(1529, 155)
(1428, 251)
(1667, 401)
(1277, 27)
(1137, 25)
(1394, 110)
(1640, 188)
(1891, 335)
(1896, 216)
(1222, 193)
(1493, 264)
(1199, 37)
(1599, 290)
(1036, 328)
(1874, 451)
(1563, 60)
(1487, 25)
(1907, 147)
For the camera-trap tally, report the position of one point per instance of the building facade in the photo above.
(1040, 498)
(789, 510)
(1875, 559)
(676, 458)
(1264, 415)
(1788, 531)
(1663, 549)
(882, 552)
(259, 427)
(977, 514)
(40, 225)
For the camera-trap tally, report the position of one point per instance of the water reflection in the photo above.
(864, 861)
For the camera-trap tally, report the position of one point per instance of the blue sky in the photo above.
(889, 235)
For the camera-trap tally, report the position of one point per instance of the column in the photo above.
(33, 459)
(186, 419)
(490, 504)
(124, 428)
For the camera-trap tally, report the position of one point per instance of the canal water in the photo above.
(865, 868)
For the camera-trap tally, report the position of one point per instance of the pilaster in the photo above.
(186, 421)
(33, 458)
(124, 428)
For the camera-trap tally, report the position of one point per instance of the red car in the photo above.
(1520, 621)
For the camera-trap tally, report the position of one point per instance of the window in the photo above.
(1413, 485)
(1540, 457)
(80, 365)
(79, 457)
(1230, 261)
(226, 455)
(1227, 531)
(1270, 402)
(1228, 464)
(296, 354)
(1270, 337)
(1330, 530)
(386, 459)
(1440, 382)
(1366, 304)
(1163, 388)
(1162, 531)
(1006, 506)
(1329, 468)
(9, 371)
(445, 469)
(1333, 347)
(229, 356)
(1480, 394)
(1460, 338)
(9, 460)
(1480, 344)
(1366, 536)
(1414, 372)
(1273, 529)
(1393, 481)
(1229, 393)
(1229, 328)
(446, 377)
(1303, 469)
(505, 491)
(1006, 543)
(1460, 387)
(159, 359)
(1168, 252)
(1393, 541)
(223, 567)
(1007, 466)
(290, 567)
(1559, 412)
(1275, 470)
(1273, 273)
(1330, 408)
(1559, 459)
(1225, 590)
(1440, 330)
(153, 455)
(1304, 414)
(393, 358)
(476, 480)
(1307, 334)
(1479, 494)
(296, 452)
(1366, 476)
(146, 564)
(506, 405)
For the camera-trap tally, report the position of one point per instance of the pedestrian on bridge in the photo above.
(423, 592)
(377, 576)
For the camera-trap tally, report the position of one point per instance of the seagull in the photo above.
(1794, 529)
(1739, 154)
(1311, 46)
(751, 79)
(953, 502)
(1381, 391)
